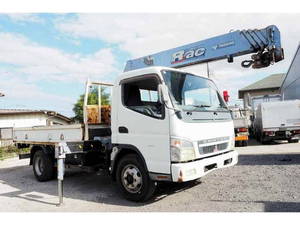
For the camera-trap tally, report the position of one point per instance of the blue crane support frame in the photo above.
(264, 42)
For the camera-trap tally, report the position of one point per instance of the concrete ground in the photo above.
(267, 178)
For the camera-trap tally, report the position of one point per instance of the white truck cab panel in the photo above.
(152, 134)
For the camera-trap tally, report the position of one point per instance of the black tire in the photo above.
(293, 140)
(245, 143)
(145, 187)
(262, 140)
(238, 144)
(43, 166)
(256, 136)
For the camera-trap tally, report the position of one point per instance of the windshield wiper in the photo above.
(223, 107)
(201, 106)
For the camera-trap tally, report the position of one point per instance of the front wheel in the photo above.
(133, 180)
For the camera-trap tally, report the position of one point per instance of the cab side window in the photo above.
(141, 95)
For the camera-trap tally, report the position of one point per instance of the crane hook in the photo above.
(247, 63)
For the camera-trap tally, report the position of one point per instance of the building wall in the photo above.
(292, 92)
(5, 143)
(25, 120)
(29, 120)
(290, 88)
(6, 137)
(55, 121)
(22, 120)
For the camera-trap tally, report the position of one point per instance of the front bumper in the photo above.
(182, 172)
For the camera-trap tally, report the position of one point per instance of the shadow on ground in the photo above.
(99, 188)
(254, 142)
(272, 206)
(78, 185)
(269, 159)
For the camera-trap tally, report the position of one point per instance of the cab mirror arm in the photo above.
(162, 97)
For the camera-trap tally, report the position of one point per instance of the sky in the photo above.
(45, 59)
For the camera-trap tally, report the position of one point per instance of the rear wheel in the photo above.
(256, 136)
(43, 166)
(262, 139)
(238, 143)
(133, 180)
(245, 143)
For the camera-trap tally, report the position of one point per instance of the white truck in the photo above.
(241, 125)
(165, 124)
(162, 139)
(277, 121)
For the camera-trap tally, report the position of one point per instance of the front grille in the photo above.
(211, 140)
(213, 148)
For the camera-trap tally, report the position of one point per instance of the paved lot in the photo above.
(267, 178)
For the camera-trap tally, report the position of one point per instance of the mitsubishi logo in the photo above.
(148, 60)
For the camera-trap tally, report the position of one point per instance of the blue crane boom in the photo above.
(265, 43)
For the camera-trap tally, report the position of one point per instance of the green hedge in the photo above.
(11, 151)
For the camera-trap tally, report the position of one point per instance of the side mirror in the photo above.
(162, 94)
(226, 96)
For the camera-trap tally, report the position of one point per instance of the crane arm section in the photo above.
(264, 43)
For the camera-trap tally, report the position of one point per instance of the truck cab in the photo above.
(176, 122)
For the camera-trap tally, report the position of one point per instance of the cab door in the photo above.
(143, 121)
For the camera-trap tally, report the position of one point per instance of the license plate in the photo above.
(282, 128)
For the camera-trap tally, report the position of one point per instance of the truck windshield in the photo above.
(190, 92)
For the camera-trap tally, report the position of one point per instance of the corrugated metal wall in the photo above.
(290, 88)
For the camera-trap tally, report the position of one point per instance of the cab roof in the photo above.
(147, 70)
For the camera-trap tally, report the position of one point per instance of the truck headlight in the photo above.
(181, 150)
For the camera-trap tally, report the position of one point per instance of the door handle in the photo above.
(123, 130)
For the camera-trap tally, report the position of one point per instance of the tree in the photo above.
(92, 100)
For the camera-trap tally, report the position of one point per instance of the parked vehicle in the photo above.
(251, 105)
(158, 132)
(277, 121)
(241, 126)
(165, 125)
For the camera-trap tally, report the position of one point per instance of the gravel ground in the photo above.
(266, 179)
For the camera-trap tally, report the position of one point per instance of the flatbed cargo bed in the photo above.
(54, 134)
(48, 134)
(240, 122)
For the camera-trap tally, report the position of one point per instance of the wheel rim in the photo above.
(39, 166)
(131, 178)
